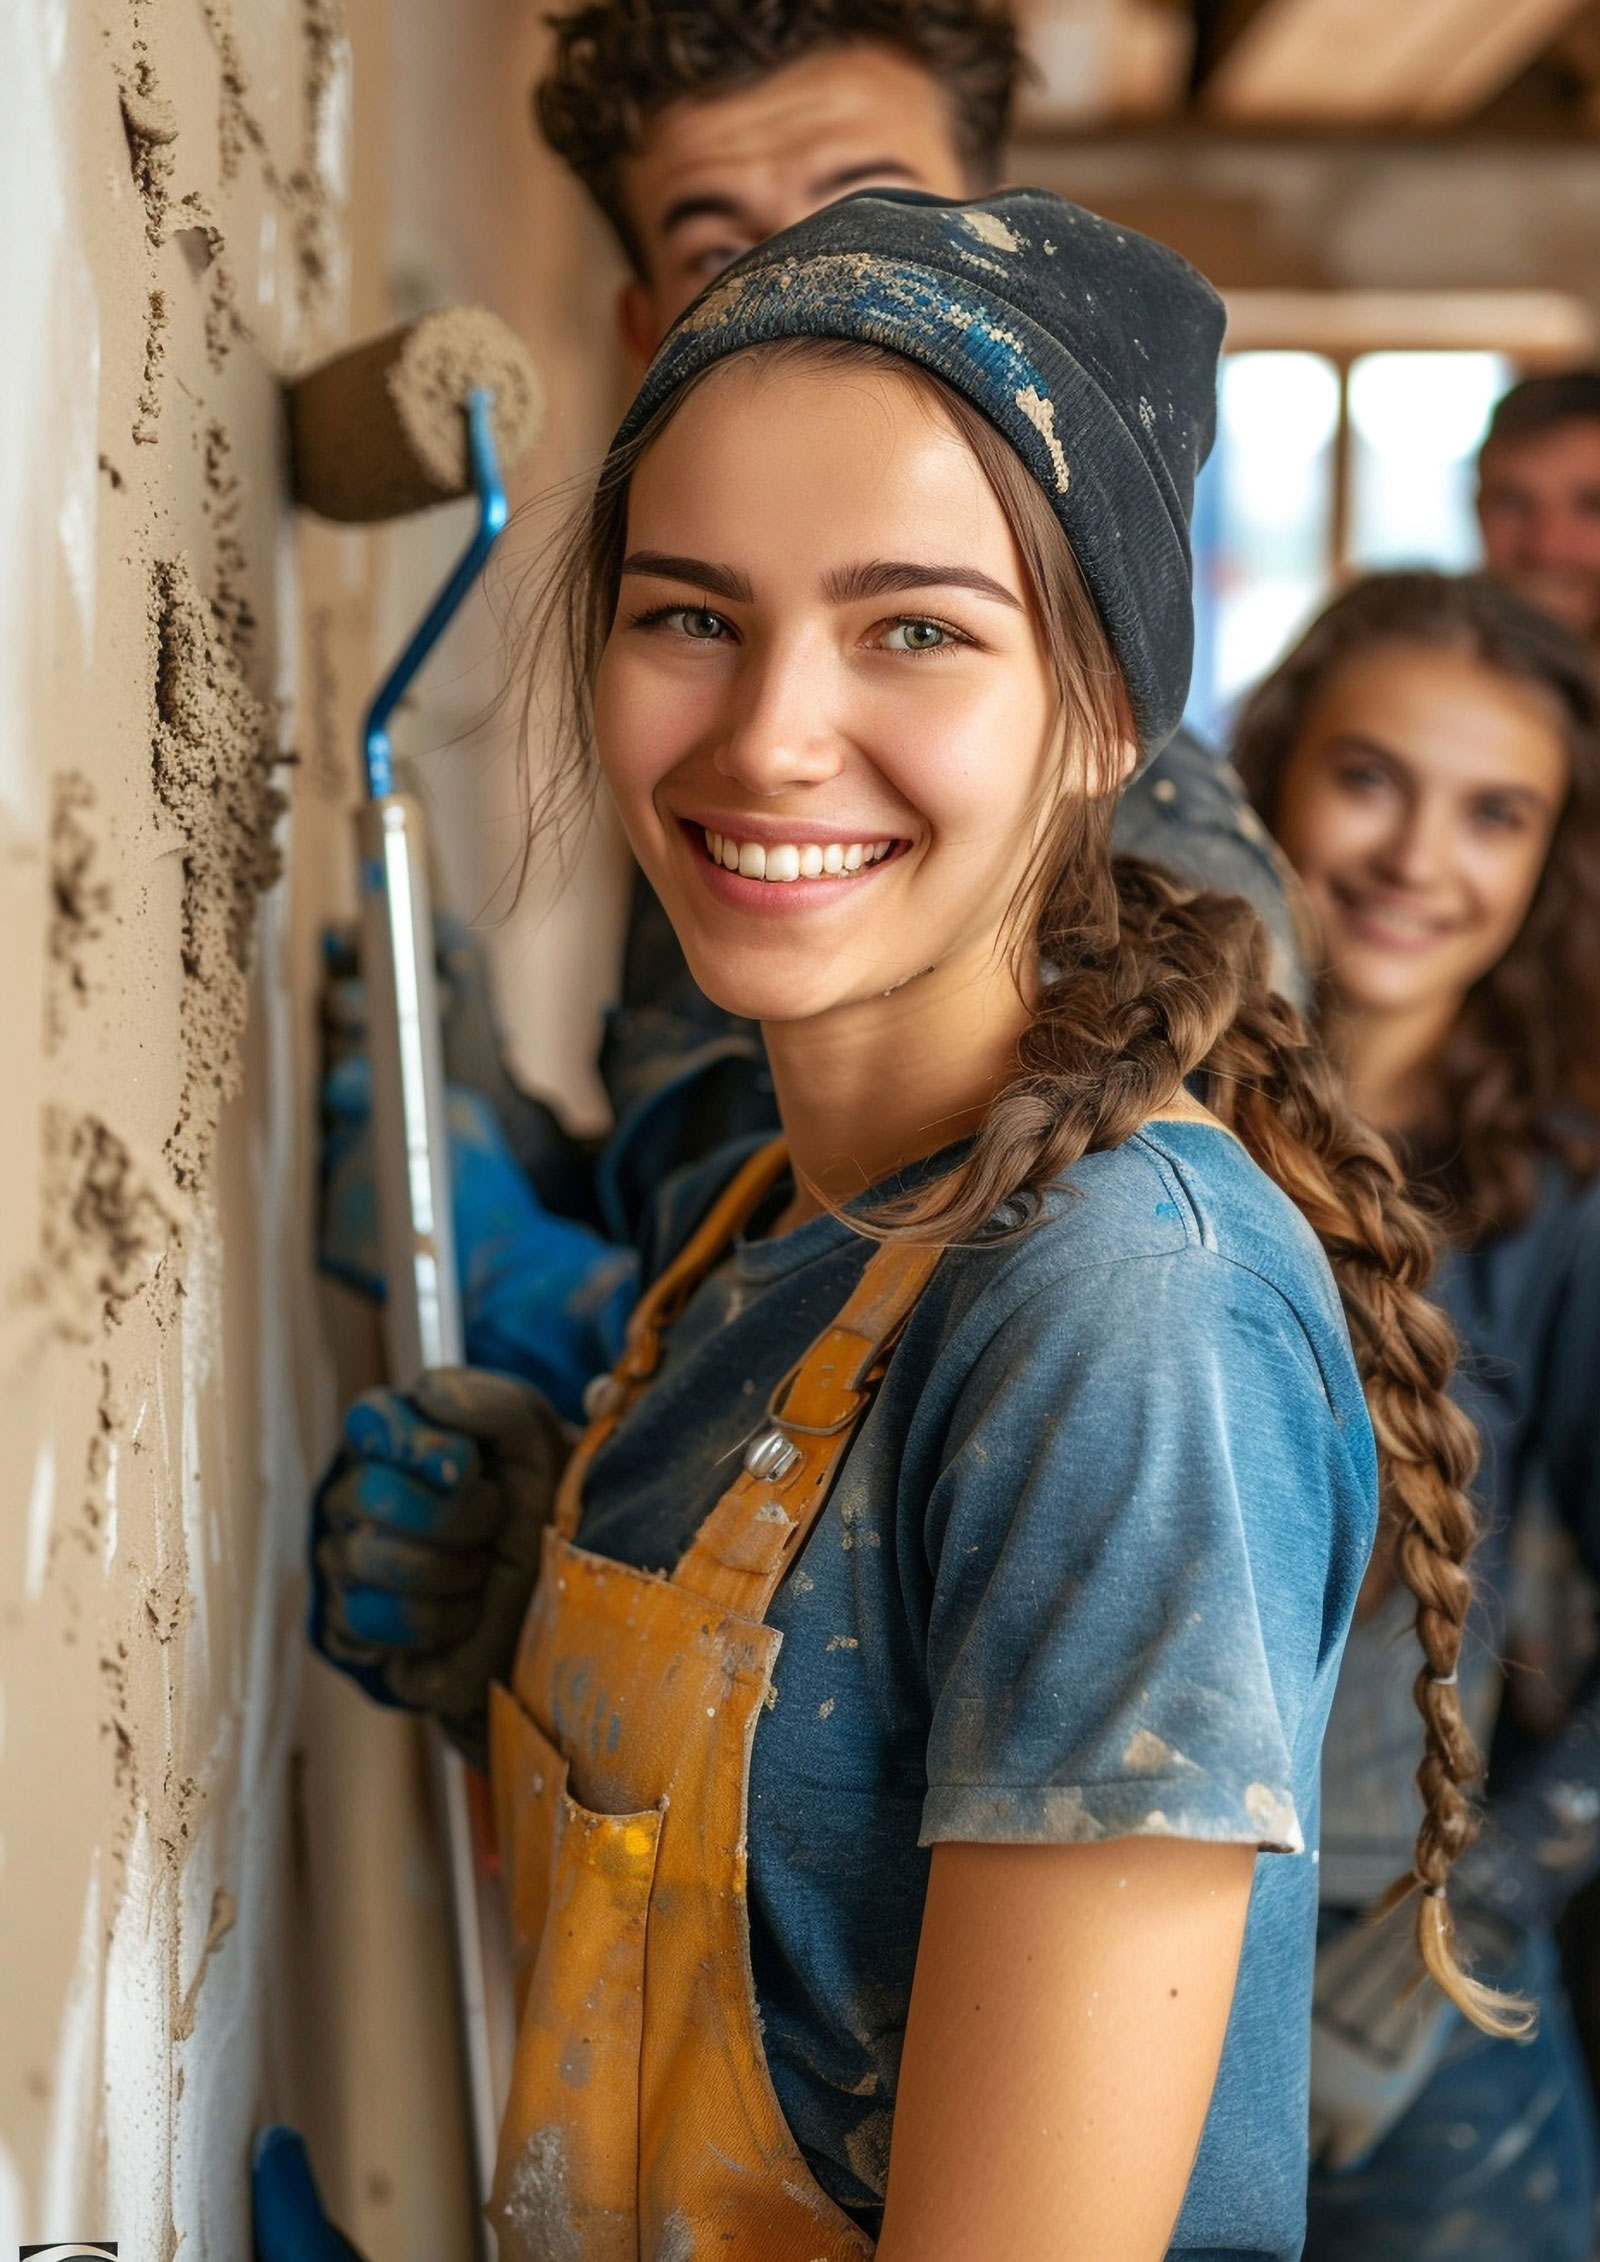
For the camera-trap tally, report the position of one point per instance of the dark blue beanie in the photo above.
(1092, 349)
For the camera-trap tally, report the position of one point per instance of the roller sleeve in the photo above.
(379, 431)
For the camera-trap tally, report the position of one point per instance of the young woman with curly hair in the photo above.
(907, 1769)
(1429, 758)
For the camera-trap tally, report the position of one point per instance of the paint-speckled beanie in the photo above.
(1092, 349)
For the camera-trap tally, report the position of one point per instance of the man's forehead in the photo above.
(815, 128)
(1570, 448)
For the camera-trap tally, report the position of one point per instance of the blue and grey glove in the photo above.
(425, 1541)
(559, 1166)
(542, 1296)
(286, 2210)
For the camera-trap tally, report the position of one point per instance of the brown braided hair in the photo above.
(1519, 1074)
(1146, 988)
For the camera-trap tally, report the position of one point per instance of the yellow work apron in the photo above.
(642, 2125)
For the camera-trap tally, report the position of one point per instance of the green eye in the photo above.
(704, 626)
(917, 636)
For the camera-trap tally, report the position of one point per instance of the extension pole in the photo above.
(422, 1312)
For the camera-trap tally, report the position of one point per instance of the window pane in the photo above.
(1262, 521)
(1416, 423)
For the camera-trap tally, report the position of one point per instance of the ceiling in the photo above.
(1414, 67)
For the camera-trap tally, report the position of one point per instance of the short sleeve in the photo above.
(1144, 1544)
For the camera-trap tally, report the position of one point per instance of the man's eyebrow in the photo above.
(886, 576)
(704, 206)
(868, 169)
(698, 573)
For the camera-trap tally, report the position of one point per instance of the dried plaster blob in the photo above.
(213, 764)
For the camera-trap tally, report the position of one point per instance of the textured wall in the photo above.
(171, 234)
(218, 1901)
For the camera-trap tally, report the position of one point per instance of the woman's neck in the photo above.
(1389, 1059)
(873, 1086)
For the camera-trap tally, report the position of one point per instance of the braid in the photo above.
(1276, 1089)
(1156, 989)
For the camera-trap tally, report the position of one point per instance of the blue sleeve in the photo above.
(1145, 1547)
(1569, 1444)
(682, 1199)
(542, 1296)
(1541, 1840)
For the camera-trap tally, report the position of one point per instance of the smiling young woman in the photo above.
(941, 1610)
(789, 702)
(1429, 757)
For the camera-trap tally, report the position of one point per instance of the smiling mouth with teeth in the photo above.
(784, 860)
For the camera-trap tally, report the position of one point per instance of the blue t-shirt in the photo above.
(1086, 1571)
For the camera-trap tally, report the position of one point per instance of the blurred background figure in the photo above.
(1539, 496)
(1428, 755)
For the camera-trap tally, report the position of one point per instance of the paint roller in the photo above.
(430, 413)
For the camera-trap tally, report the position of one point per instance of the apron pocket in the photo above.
(529, 1780)
(580, 1882)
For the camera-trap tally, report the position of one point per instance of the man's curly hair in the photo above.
(618, 62)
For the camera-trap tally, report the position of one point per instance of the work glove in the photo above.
(286, 2211)
(559, 1166)
(425, 1540)
(542, 1296)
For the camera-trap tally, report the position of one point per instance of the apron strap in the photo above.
(609, 1396)
(738, 1558)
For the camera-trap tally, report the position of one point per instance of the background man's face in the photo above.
(716, 176)
(1539, 506)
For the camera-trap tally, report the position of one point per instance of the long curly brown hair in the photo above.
(1147, 988)
(1519, 1076)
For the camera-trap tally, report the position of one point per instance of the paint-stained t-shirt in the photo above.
(1086, 1571)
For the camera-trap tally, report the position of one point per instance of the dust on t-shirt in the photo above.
(1086, 1571)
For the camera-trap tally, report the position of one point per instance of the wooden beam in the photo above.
(1102, 60)
(1291, 211)
(1536, 328)
(1378, 61)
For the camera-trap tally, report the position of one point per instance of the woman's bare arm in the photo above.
(1066, 2022)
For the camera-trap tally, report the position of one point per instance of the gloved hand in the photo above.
(425, 1541)
(290, 2225)
(542, 1296)
(559, 1166)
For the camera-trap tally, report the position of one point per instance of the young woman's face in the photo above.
(1418, 805)
(823, 708)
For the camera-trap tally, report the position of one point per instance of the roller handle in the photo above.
(422, 1310)
(489, 486)
(422, 1328)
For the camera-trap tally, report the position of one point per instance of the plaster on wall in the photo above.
(171, 236)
